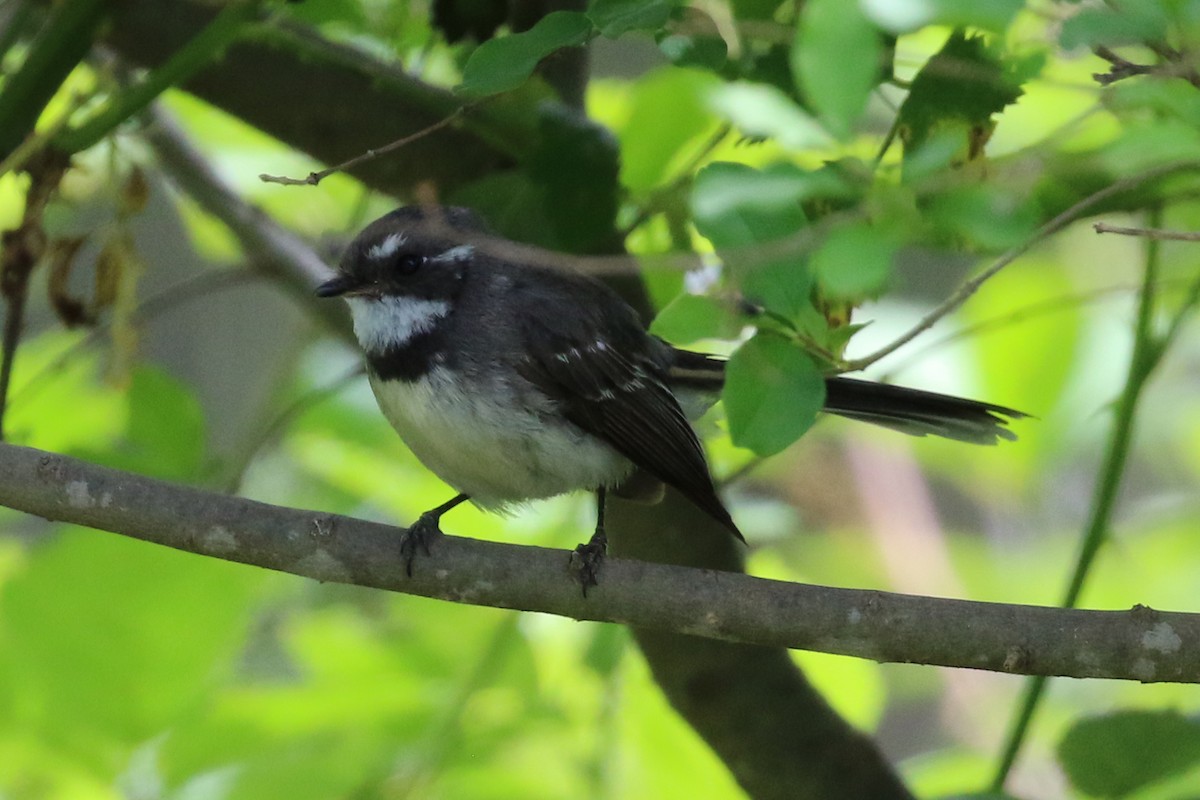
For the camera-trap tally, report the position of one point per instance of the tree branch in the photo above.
(1140, 644)
(330, 100)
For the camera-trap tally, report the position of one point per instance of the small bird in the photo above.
(514, 382)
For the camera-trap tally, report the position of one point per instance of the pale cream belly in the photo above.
(490, 450)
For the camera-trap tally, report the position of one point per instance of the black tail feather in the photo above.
(919, 413)
(911, 411)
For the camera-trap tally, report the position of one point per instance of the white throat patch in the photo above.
(392, 321)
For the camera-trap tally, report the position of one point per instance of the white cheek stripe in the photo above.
(392, 321)
(387, 248)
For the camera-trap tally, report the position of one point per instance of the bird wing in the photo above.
(610, 386)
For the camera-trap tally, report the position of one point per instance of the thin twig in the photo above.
(270, 248)
(964, 292)
(1174, 67)
(276, 426)
(1121, 68)
(316, 177)
(187, 290)
(686, 174)
(21, 251)
(1022, 314)
(1147, 233)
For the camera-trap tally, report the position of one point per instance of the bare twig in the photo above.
(1062, 220)
(270, 249)
(314, 178)
(197, 286)
(1174, 67)
(1147, 233)
(1121, 68)
(21, 250)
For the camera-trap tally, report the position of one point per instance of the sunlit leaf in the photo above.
(836, 59)
(690, 317)
(746, 213)
(95, 631)
(668, 111)
(854, 262)
(760, 110)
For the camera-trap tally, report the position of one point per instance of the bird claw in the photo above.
(586, 560)
(419, 536)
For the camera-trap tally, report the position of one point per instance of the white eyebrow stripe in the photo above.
(460, 253)
(387, 248)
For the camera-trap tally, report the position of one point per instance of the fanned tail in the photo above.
(919, 413)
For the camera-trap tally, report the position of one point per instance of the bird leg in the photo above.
(425, 530)
(586, 558)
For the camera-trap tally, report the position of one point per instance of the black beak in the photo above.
(335, 287)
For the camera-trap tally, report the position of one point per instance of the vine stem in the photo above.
(186, 61)
(1148, 349)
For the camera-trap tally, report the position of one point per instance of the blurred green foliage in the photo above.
(784, 146)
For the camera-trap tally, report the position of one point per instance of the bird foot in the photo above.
(586, 560)
(419, 536)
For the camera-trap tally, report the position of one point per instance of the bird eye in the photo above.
(409, 263)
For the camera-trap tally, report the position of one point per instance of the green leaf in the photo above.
(737, 207)
(577, 165)
(115, 638)
(166, 429)
(320, 12)
(1119, 753)
(165, 432)
(690, 317)
(503, 64)
(762, 111)
(755, 9)
(1129, 22)
(836, 60)
(668, 111)
(615, 17)
(854, 262)
(686, 50)
(961, 87)
(606, 648)
(983, 218)
(773, 391)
